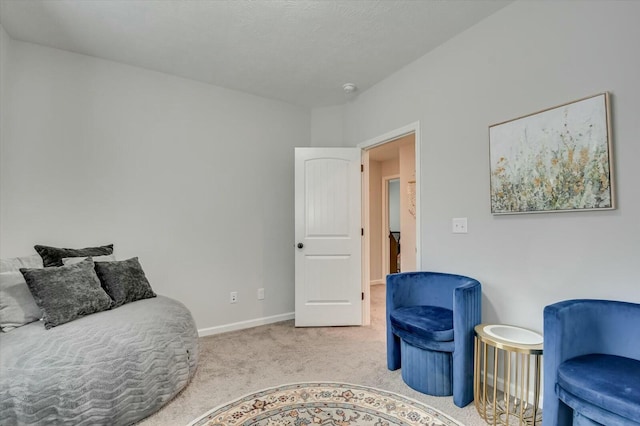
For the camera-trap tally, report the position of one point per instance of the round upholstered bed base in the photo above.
(427, 371)
(114, 367)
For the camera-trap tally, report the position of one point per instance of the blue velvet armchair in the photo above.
(430, 322)
(591, 363)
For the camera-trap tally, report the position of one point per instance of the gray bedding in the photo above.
(109, 368)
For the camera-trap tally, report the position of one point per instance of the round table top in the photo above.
(510, 337)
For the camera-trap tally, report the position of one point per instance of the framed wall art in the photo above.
(555, 160)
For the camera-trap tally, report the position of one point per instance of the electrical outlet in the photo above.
(260, 293)
(459, 225)
(233, 297)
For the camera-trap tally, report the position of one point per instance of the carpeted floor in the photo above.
(238, 363)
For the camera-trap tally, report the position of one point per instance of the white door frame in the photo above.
(364, 146)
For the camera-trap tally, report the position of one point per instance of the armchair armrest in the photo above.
(467, 313)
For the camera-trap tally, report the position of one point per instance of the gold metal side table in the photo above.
(506, 375)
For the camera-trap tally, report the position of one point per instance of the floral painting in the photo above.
(558, 159)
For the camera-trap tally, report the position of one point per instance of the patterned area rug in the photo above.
(335, 404)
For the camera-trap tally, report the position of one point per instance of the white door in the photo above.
(327, 231)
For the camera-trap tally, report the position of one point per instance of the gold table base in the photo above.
(512, 367)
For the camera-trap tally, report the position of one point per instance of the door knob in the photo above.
(300, 245)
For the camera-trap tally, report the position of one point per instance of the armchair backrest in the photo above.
(585, 326)
(424, 288)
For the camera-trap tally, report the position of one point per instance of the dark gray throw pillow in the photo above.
(124, 281)
(52, 256)
(66, 293)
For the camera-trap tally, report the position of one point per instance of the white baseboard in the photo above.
(210, 331)
(376, 282)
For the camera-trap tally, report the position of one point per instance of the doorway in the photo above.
(387, 157)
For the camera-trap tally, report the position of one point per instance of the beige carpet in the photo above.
(238, 363)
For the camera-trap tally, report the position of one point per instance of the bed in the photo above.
(113, 367)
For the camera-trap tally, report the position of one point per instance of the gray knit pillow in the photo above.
(67, 292)
(124, 281)
(52, 256)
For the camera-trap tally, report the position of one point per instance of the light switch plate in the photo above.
(459, 225)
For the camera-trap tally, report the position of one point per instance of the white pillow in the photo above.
(17, 305)
(15, 263)
(74, 260)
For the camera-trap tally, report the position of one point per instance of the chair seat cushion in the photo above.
(427, 322)
(609, 382)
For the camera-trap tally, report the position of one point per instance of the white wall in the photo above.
(526, 57)
(327, 126)
(5, 47)
(194, 179)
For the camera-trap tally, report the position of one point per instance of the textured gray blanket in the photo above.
(114, 367)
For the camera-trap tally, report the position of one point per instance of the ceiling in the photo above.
(390, 150)
(297, 51)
